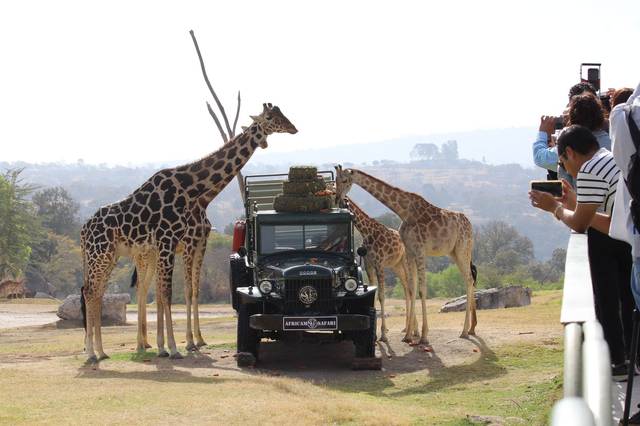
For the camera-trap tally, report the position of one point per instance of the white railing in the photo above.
(587, 365)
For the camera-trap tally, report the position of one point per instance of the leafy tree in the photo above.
(57, 210)
(449, 150)
(498, 243)
(424, 151)
(64, 269)
(17, 224)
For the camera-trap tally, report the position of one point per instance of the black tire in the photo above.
(365, 341)
(248, 339)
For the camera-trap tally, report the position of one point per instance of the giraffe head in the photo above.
(272, 120)
(344, 180)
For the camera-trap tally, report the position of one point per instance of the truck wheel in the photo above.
(248, 340)
(365, 341)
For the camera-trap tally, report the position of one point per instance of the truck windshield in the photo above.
(333, 237)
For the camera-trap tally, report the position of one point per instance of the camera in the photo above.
(559, 123)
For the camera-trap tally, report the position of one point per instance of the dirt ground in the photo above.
(26, 350)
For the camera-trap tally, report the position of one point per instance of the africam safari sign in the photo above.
(310, 323)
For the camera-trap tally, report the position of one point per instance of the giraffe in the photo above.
(426, 230)
(12, 289)
(156, 217)
(192, 249)
(384, 249)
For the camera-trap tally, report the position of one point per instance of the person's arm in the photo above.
(543, 156)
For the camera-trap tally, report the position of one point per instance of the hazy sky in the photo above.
(119, 81)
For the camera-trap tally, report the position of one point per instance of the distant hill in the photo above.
(484, 192)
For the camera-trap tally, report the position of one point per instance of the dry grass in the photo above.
(512, 370)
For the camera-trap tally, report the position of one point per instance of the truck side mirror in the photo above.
(362, 251)
(242, 251)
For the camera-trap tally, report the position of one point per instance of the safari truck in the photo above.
(294, 271)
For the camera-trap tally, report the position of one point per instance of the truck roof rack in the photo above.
(261, 190)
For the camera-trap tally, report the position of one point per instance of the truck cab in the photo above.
(296, 272)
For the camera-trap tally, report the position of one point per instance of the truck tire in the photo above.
(365, 341)
(248, 339)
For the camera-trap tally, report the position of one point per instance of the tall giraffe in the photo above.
(384, 250)
(156, 217)
(426, 230)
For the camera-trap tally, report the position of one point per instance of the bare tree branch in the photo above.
(233, 132)
(215, 118)
(206, 79)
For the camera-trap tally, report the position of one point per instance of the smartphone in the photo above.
(553, 187)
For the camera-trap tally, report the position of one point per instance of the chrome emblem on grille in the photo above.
(308, 295)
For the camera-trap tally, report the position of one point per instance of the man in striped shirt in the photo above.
(596, 176)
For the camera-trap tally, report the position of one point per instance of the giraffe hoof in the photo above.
(103, 357)
(163, 354)
(472, 332)
(424, 341)
(383, 339)
(147, 346)
(201, 343)
(407, 339)
(464, 335)
(191, 347)
(176, 355)
(92, 360)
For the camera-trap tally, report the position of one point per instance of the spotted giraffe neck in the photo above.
(395, 198)
(211, 174)
(361, 220)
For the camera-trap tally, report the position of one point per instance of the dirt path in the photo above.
(24, 315)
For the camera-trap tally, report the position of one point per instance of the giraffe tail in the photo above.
(474, 273)
(83, 308)
(134, 277)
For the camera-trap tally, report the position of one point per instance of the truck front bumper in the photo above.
(345, 322)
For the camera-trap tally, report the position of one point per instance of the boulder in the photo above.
(114, 309)
(493, 298)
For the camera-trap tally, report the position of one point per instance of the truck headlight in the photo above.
(350, 284)
(265, 286)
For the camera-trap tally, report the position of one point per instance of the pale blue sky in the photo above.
(119, 82)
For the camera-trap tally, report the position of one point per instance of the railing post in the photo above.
(572, 360)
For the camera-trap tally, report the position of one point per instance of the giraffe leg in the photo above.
(422, 291)
(164, 276)
(412, 284)
(162, 352)
(188, 263)
(195, 285)
(98, 328)
(402, 271)
(90, 307)
(145, 274)
(383, 327)
(463, 260)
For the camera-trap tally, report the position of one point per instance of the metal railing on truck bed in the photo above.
(261, 190)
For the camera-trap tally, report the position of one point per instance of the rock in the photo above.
(493, 298)
(114, 309)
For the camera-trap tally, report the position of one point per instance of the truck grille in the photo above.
(324, 303)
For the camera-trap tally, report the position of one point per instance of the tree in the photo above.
(57, 210)
(449, 150)
(424, 151)
(17, 224)
(498, 243)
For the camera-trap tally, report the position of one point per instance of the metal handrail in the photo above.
(587, 364)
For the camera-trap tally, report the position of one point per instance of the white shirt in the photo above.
(623, 148)
(597, 181)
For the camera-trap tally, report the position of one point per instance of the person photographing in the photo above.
(589, 210)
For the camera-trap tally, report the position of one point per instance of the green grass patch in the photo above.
(135, 356)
